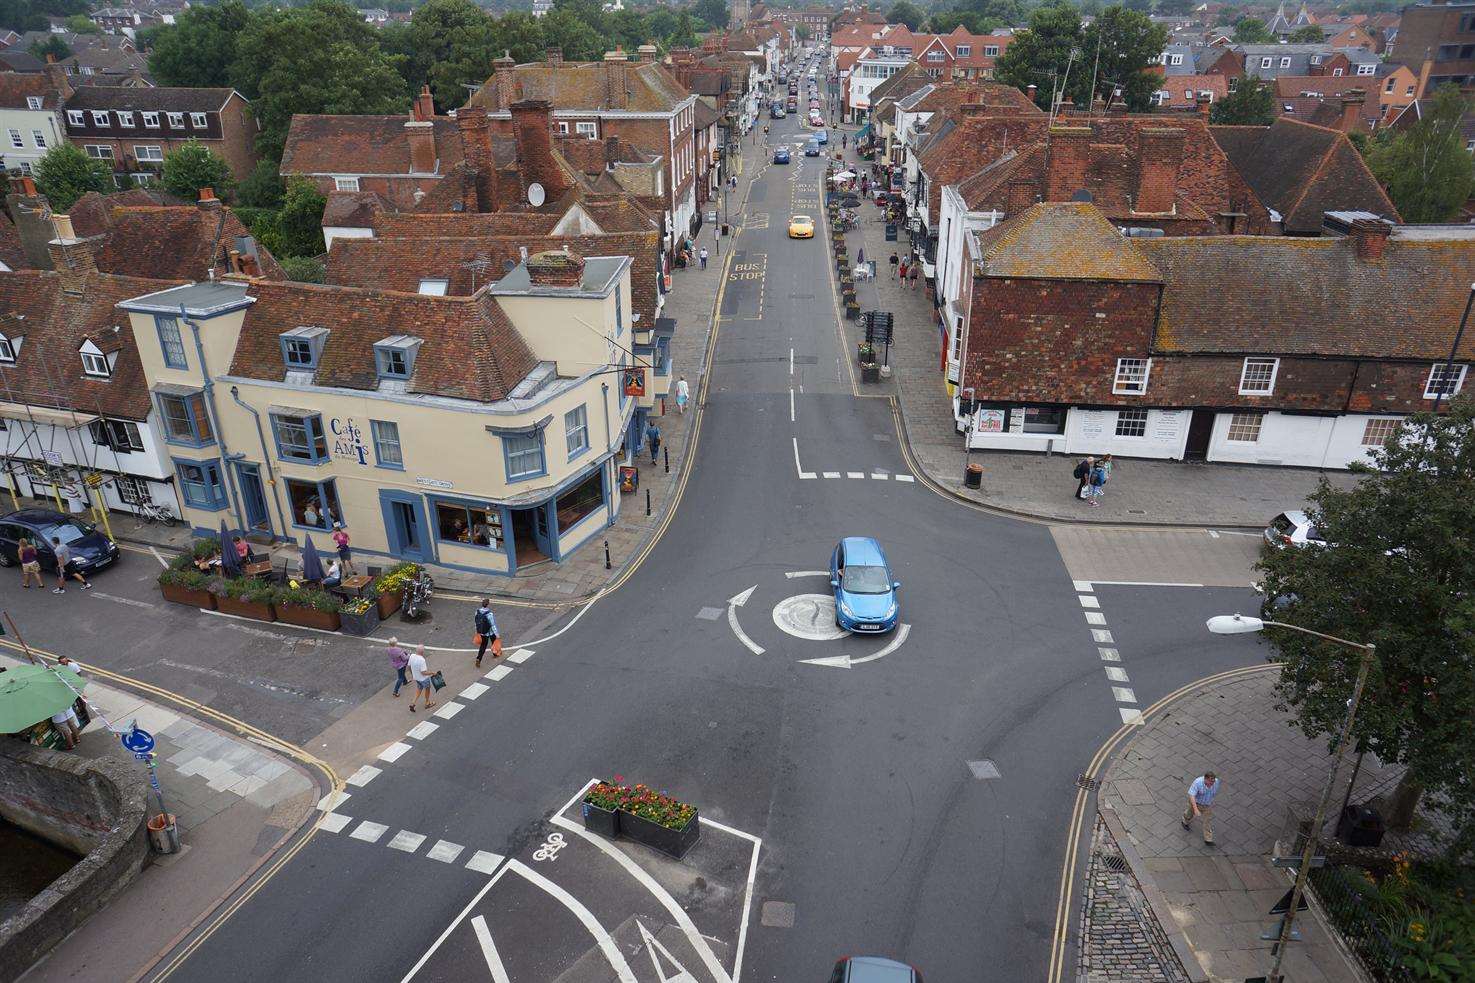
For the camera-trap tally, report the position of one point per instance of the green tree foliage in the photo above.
(579, 41)
(448, 43)
(304, 269)
(262, 188)
(712, 13)
(1398, 576)
(519, 34)
(1127, 42)
(906, 12)
(82, 24)
(199, 49)
(65, 174)
(30, 15)
(321, 58)
(1310, 34)
(1039, 55)
(1252, 30)
(978, 16)
(946, 21)
(1250, 104)
(1426, 169)
(296, 229)
(195, 166)
(53, 46)
(802, 32)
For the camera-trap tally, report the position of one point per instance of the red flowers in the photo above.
(641, 800)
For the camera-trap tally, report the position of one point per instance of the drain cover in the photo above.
(1090, 784)
(1113, 862)
(778, 914)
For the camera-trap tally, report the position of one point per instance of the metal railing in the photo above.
(1350, 901)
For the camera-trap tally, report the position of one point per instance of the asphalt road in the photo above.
(913, 805)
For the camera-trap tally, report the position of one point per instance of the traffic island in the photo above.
(644, 815)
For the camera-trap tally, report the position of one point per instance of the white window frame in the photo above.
(1266, 62)
(1245, 386)
(148, 152)
(95, 365)
(991, 51)
(1436, 376)
(17, 140)
(1133, 417)
(125, 117)
(434, 286)
(1336, 73)
(936, 57)
(563, 128)
(1175, 59)
(1367, 69)
(176, 120)
(151, 120)
(1285, 61)
(199, 121)
(345, 183)
(100, 117)
(7, 351)
(33, 102)
(1376, 423)
(965, 50)
(1122, 383)
(1241, 422)
(75, 117)
(587, 129)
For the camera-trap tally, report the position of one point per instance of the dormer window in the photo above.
(151, 120)
(394, 357)
(302, 346)
(99, 117)
(94, 362)
(8, 348)
(198, 121)
(75, 117)
(33, 102)
(125, 118)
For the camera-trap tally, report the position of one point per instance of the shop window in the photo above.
(576, 431)
(185, 419)
(1244, 428)
(524, 455)
(171, 342)
(1044, 419)
(1131, 423)
(581, 501)
(1257, 378)
(314, 504)
(300, 438)
(469, 525)
(199, 482)
(387, 450)
(1131, 376)
(1379, 430)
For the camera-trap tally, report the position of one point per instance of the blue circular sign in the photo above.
(138, 741)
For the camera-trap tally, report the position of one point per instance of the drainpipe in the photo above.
(230, 487)
(271, 476)
(609, 447)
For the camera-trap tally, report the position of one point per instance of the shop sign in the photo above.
(1169, 424)
(634, 382)
(991, 421)
(440, 483)
(348, 440)
(1093, 425)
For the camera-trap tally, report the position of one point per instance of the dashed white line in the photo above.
(1088, 601)
(333, 822)
(1110, 655)
(423, 730)
(450, 710)
(406, 841)
(1116, 674)
(1095, 618)
(1101, 636)
(484, 863)
(473, 691)
(1130, 715)
(1123, 694)
(445, 851)
(368, 832)
(831, 474)
(332, 801)
(498, 672)
(855, 474)
(879, 477)
(791, 406)
(1082, 586)
(364, 776)
(520, 656)
(394, 751)
(905, 477)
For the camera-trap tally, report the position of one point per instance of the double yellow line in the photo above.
(1078, 816)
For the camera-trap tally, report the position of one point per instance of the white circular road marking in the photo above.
(808, 616)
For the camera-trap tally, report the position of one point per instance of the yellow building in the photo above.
(478, 432)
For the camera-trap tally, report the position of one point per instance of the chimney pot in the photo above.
(207, 195)
(424, 105)
(63, 226)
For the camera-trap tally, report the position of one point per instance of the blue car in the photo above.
(865, 594)
(811, 149)
(781, 155)
(822, 136)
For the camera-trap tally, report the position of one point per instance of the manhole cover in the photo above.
(778, 914)
(808, 616)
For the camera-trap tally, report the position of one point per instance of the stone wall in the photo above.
(95, 807)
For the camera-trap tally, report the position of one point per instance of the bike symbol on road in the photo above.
(551, 846)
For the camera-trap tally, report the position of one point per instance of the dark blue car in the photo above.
(91, 550)
(781, 155)
(865, 594)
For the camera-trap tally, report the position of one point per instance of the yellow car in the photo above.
(801, 227)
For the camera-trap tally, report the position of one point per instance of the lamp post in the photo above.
(1449, 364)
(1239, 624)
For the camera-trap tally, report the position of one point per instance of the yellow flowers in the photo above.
(1418, 931)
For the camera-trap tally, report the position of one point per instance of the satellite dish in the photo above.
(536, 195)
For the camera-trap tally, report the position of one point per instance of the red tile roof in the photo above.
(649, 87)
(1063, 240)
(361, 145)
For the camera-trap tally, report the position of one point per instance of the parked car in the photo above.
(793, 104)
(1293, 529)
(865, 595)
(781, 155)
(801, 227)
(91, 550)
(873, 969)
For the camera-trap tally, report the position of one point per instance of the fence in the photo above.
(1350, 901)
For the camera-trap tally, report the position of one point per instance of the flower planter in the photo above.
(672, 842)
(362, 624)
(388, 604)
(260, 610)
(305, 617)
(870, 372)
(600, 820)
(194, 597)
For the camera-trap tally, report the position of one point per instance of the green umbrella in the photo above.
(31, 694)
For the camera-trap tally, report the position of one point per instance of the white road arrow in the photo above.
(652, 946)
(733, 603)
(846, 662)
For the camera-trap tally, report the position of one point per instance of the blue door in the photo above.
(405, 526)
(253, 496)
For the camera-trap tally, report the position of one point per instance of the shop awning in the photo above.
(865, 131)
(42, 414)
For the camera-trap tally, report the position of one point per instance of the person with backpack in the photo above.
(1082, 475)
(486, 631)
(1098, 484)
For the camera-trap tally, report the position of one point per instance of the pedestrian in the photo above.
(1082, 474)
(65, 722)
(894, 261)
(486, 631)
(63, 555)
(844, 140)
(1098, 483)
(703, 257)
(421, 674)
(653, 438)
(79, 705)
(30, 564)
(683, 393)
(1201, 803)
(243, 550)
(399, 661)
(340, 537)
(903, 272)
(912, 273)
(1105, 465)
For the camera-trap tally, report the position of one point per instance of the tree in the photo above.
(82, 24)
(802, 32)
(195, 166)
(321, 58)
(262, 188)
(685, 35)
(579, 41)
(945, 22)
(449, 42)
(519, 34)
(1310, 34)
(297, 228)
(1116, 49)
(53, 46)
(1040, 55)
(1426, 169)
(712, 13)
(1252, 30)
(908, 13)
(1399, 577)
(200, 47)
(1250, 104)
(305, 269)
(65, 174)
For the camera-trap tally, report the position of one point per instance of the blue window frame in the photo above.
(185, 419)
(620, 375)
(201, 484)
(387, 450)
(300, 438)
(467, 523)
(394, 357)
(171, 342)
(576, 431)
(301, 347)
(524, 456)
(313, 504)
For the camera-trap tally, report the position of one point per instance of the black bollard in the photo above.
(647, 501)
(606, 555)
(666, 453)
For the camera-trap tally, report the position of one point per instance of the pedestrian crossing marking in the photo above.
(855, 474)
(484, 862)
(364, 776)
(406, 841)
(520, 656)
(473, 691)
(450, 710)
(423, 730)
(498, 672)
(832, 474)
(332, 801)
(395, 751)
(333, 822)
(445, 851)
(368, 832)
(1123, 694)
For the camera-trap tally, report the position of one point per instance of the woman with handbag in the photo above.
(486, 631)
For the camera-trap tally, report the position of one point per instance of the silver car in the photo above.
(1293, 529)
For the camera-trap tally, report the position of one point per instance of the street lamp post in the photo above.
(1238, 624)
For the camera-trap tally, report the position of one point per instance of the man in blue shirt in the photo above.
(1201, 803)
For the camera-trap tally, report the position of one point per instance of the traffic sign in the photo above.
(137, 740)
(1284, 904)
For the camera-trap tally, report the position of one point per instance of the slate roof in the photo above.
(160, 98)
(650, 87)
(469, 350)
(1302, 171)
(361, 144)
(1063, 240)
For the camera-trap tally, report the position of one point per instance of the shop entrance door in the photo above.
(530, 535)
(254, 498)
(404, 521)
(1200, 432)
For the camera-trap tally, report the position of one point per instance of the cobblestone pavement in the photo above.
(1220, 896)
(1121, 938)
(1141, 491)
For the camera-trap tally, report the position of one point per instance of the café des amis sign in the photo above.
(349, 445)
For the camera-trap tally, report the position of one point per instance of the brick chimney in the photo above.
(616, 67)
(1204, 105)
(1019, 195)
(553, 55)
(555, 268)
(1159, 154)
(1352, 103)
(207, 200)
(532, 125)
(56, 77)
(70, 256)
(424, 105)
(646, 53)
(476, 150)
(504, 76)
(1371, 238)
(421, 135)
(974, 110)
(1068, 158)
(1031, 90)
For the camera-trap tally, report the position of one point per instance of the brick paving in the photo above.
(1121, 938)
(1035, 484)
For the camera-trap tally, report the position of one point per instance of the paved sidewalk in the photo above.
(235, 803)
(1141, 491)
(1219, 897)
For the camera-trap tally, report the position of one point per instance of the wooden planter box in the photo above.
(195, 598)
(261, 611)
(388, 604)
(600, 820)
(361, 624)
(305, 617)
(672, 842)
